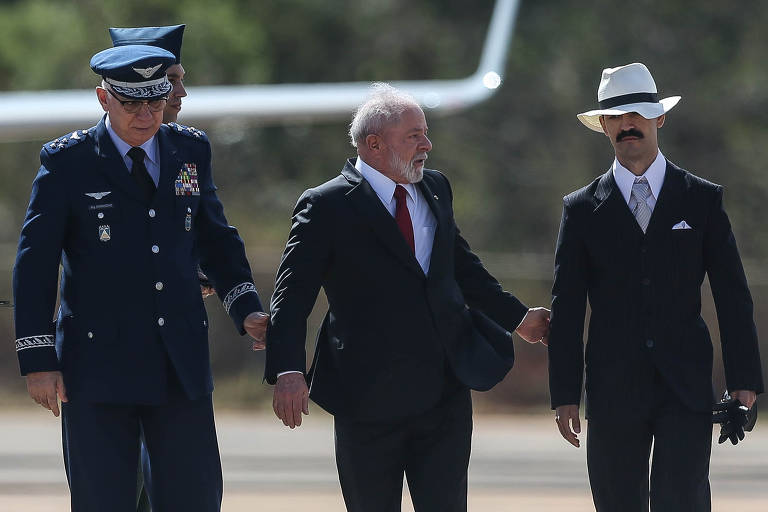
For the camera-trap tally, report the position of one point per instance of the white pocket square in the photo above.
(682, 225)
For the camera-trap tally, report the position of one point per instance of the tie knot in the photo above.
(641, 189)
(136, 154)
(400, 193)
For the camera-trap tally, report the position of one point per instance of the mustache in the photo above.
(632, 132)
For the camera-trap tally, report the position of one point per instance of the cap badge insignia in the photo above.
(104, 233)
(147, 72)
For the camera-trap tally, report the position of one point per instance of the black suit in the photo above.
(395, 344)
(648, 353)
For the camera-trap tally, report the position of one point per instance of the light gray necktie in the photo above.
(640, 192)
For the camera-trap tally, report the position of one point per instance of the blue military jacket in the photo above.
(129, 295)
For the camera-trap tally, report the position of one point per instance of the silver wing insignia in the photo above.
(147, 72)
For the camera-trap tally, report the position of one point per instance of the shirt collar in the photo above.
(149, 147)
(383, 186)
(654, 174)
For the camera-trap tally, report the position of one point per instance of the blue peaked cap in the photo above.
(135, 71)
(168, 37)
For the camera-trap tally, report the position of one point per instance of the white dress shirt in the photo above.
(151, 161)
(654, 174)
(422, 218)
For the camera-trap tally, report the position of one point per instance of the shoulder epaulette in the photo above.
(67, 141)
(189, 131)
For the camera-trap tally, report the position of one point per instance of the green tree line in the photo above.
(510, 159)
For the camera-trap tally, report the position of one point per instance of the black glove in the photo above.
(734, 419)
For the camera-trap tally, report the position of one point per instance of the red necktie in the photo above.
(402, 217)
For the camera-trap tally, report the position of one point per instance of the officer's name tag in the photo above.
(100, 206)
(186, 181)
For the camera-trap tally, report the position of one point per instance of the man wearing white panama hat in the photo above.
(637, 241)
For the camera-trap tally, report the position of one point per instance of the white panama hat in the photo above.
(627, 89)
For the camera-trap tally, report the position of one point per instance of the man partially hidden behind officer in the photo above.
(168, 38)
(127, 208)
(637, 242)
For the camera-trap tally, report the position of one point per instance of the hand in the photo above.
(291, 398)
(255, 324)
(565, 416)
(43, 388)
(734, 418)
(745, 397)
(206, 287)
(535, 326)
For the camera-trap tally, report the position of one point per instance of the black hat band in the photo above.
(627, 99)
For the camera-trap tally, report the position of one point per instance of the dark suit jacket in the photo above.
(644, 293)
(86, 212)
(390, 331)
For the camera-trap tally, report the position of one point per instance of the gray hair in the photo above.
(385, 105)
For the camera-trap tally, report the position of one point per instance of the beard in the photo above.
(407, 169)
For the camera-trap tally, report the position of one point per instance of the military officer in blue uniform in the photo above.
(126, 208)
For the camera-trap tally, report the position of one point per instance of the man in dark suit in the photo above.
(127, 207)
(414, 319)
(637, 241)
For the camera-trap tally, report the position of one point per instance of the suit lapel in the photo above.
(439, 246)
(364, 199)
(668, 202)
(112, 164)
(611, 206)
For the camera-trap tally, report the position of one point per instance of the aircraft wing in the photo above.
(33, 114)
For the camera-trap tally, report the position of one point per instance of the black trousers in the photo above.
(619, 448)
(101, 452)
(432, 450)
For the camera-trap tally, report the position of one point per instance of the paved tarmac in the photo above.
(518, 463)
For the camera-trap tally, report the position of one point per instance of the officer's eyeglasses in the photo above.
(133, 106)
